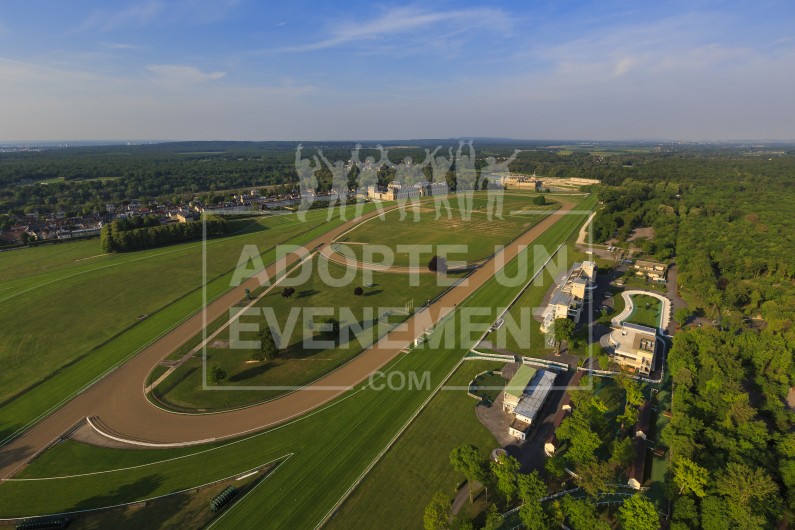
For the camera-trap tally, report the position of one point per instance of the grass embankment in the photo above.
(332, 446)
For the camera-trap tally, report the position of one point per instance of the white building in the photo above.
(569, 297)
(526, 404)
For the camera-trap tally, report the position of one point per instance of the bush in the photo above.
(540, 200)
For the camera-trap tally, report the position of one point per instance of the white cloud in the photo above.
(180, 74)
(143, 13)
(408, 20)
(138, 14)
(120, 46)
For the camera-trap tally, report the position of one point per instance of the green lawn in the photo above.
(332, 447)
(395, 493)
(68, 324)
(479, 234)
(489, 386)
(297, 365)
(647, 310)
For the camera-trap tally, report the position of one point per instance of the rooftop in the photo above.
(518, 383)
(536, 394)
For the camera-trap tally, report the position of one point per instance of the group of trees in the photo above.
(503, 478)
(730, 436)
(596, 446)
(123, 235)
(506, 487)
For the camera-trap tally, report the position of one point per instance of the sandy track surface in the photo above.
(118, 405)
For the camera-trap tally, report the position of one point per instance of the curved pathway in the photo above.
(117, 403)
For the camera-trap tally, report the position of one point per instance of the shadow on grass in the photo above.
(127, 493)
(248, 373)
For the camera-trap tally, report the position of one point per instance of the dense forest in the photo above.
(726, 222)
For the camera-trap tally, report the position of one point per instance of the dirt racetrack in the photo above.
(118, 406)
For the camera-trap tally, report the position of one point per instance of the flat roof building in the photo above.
(634, 346)
(530, 402)
(569, 297)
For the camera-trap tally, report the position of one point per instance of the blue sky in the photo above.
(245, 69)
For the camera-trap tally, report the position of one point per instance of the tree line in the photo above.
(124, 235)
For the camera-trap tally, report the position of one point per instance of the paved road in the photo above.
(118, 404)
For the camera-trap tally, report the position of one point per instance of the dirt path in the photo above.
(118, 405)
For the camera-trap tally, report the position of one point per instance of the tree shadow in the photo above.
(253, 371)
(373, 293)
(139, 489)
(308, 292)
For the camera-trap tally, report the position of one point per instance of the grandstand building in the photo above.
(569, 297)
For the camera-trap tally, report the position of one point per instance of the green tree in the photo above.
(217, 374)
(438, 264)
(268, 350)
(562, 330)
(466, 459)
(493, 518)
(583, 442)
(506, 471)
(686, 512)
(714, 514)
(622, 452)
(681, 316)
(436, 515)
(741, 484)
(595, 477)
(531, 490)
(638, 513)
(581, 514)
(690, 477)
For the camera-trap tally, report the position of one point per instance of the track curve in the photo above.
(117, 402)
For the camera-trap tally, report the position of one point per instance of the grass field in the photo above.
(479, 234)
(297, 366)
(647, 310)
(332, 447)
(395, 493)
(68, 322)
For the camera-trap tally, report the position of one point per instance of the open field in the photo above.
(647, 311)
(395, 493)
(336, 443)
(479, 234)
(77, 345)
(297, 366)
